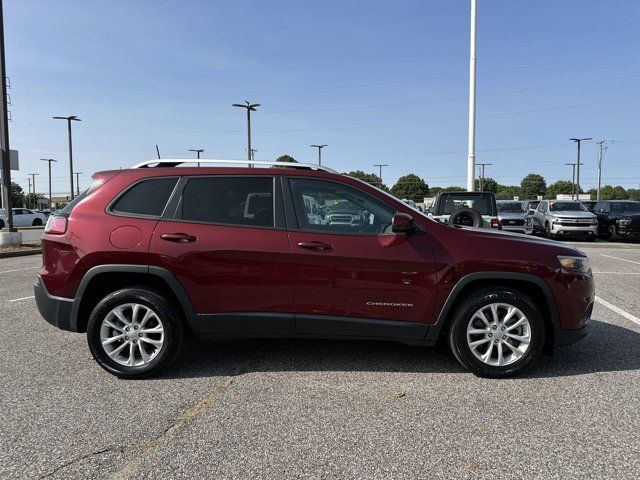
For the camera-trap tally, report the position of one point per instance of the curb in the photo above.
(23, 253)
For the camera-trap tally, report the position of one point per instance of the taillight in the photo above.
(56, 225)
(495, 223)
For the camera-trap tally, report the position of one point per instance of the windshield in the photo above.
(450, 203)
(566, 207)
(516, 207)
(625, 207)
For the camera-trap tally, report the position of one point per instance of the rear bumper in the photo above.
(55, 310)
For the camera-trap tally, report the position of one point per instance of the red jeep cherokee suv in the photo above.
(147, 254)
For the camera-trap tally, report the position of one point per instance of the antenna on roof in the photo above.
(158, 151)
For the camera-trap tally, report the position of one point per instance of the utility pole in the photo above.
(77, 174)
(253, 153)
(49, 160)
(578, 140)
(471, 160)
(197, 150)
(28, 202)
(251, 107)
(319, 147)
(4, 136)
(482, 165)
(602, 147)
(69, 119)
(380, 165)
(573, 178)
(35, 195)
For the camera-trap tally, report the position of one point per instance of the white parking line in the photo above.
(23, 298)
(618, 310)
(21, 269)
(618, 258)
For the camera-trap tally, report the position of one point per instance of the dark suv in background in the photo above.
(618, 219)
(148, 254)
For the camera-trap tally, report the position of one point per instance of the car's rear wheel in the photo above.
(496, 333)
(37, 222)
(134, 332)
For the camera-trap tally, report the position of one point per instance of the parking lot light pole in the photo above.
(471, 160)
(49, 160)
(319, 147)
(380, 165)
(4, 135)
(69, 119)
(573, 178)
(198, 152)
(251, 107)
(35, 197)
(578, 140)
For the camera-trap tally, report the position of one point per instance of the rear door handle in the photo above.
(178, 237)
(315, 245)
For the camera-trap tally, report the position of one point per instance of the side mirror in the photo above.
(401, 223)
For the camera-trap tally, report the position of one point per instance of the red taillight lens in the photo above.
(56, 225)
(495, 223)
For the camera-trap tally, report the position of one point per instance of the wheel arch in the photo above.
(532, 286)
(104, 279)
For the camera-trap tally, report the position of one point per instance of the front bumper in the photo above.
(588, 231)
(526, 229)
(55, 310)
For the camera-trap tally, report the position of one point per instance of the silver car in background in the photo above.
(514, 217)
(565, 218)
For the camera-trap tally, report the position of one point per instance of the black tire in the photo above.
(613, 233)
(166, 312)
(463, 315)
(37, 222)
(547, 230)
(466, 217)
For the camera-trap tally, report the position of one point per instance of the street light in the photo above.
(573, 177)
(69, 119)
(578, 140)
(380, 165)
(77, 174)
(482, 165)
(319, 147)
(49, 160)
(198, 152)
(251, 107)
(471, 159)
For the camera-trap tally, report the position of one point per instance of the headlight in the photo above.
(575, 264)
(623, 222)
(594, 221)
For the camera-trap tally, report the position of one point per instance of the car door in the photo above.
(601, 212)
(20, 217)
(352, 276)
(223, 238)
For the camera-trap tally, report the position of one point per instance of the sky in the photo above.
(378, 81)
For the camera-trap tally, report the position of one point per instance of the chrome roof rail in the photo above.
(173, 162)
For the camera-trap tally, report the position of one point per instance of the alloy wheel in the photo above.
(498, 334)
(132, 334)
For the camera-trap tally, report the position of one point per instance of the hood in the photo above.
(512, 215)
(572, 214)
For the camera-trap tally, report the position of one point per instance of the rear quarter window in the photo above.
(146, 198)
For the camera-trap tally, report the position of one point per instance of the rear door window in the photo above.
(241, 201)
(146, 198)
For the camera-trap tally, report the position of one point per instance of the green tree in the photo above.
(533, 185)
(370, 178)
(411, 186)
(508, 192)
(559, 187)
(609, 192)
(633, 193)
(286, 158)
(17, 195)
(488, 185)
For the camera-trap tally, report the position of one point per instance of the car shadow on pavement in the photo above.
(591, 355)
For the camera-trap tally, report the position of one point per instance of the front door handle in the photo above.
(178, 237)
(315, 245)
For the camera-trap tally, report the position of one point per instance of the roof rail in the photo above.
(174, 162)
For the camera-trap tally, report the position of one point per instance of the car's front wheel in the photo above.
(134, 332)
(496, 333)
(613, 233)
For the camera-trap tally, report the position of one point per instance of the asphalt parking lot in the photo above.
(322, 409)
